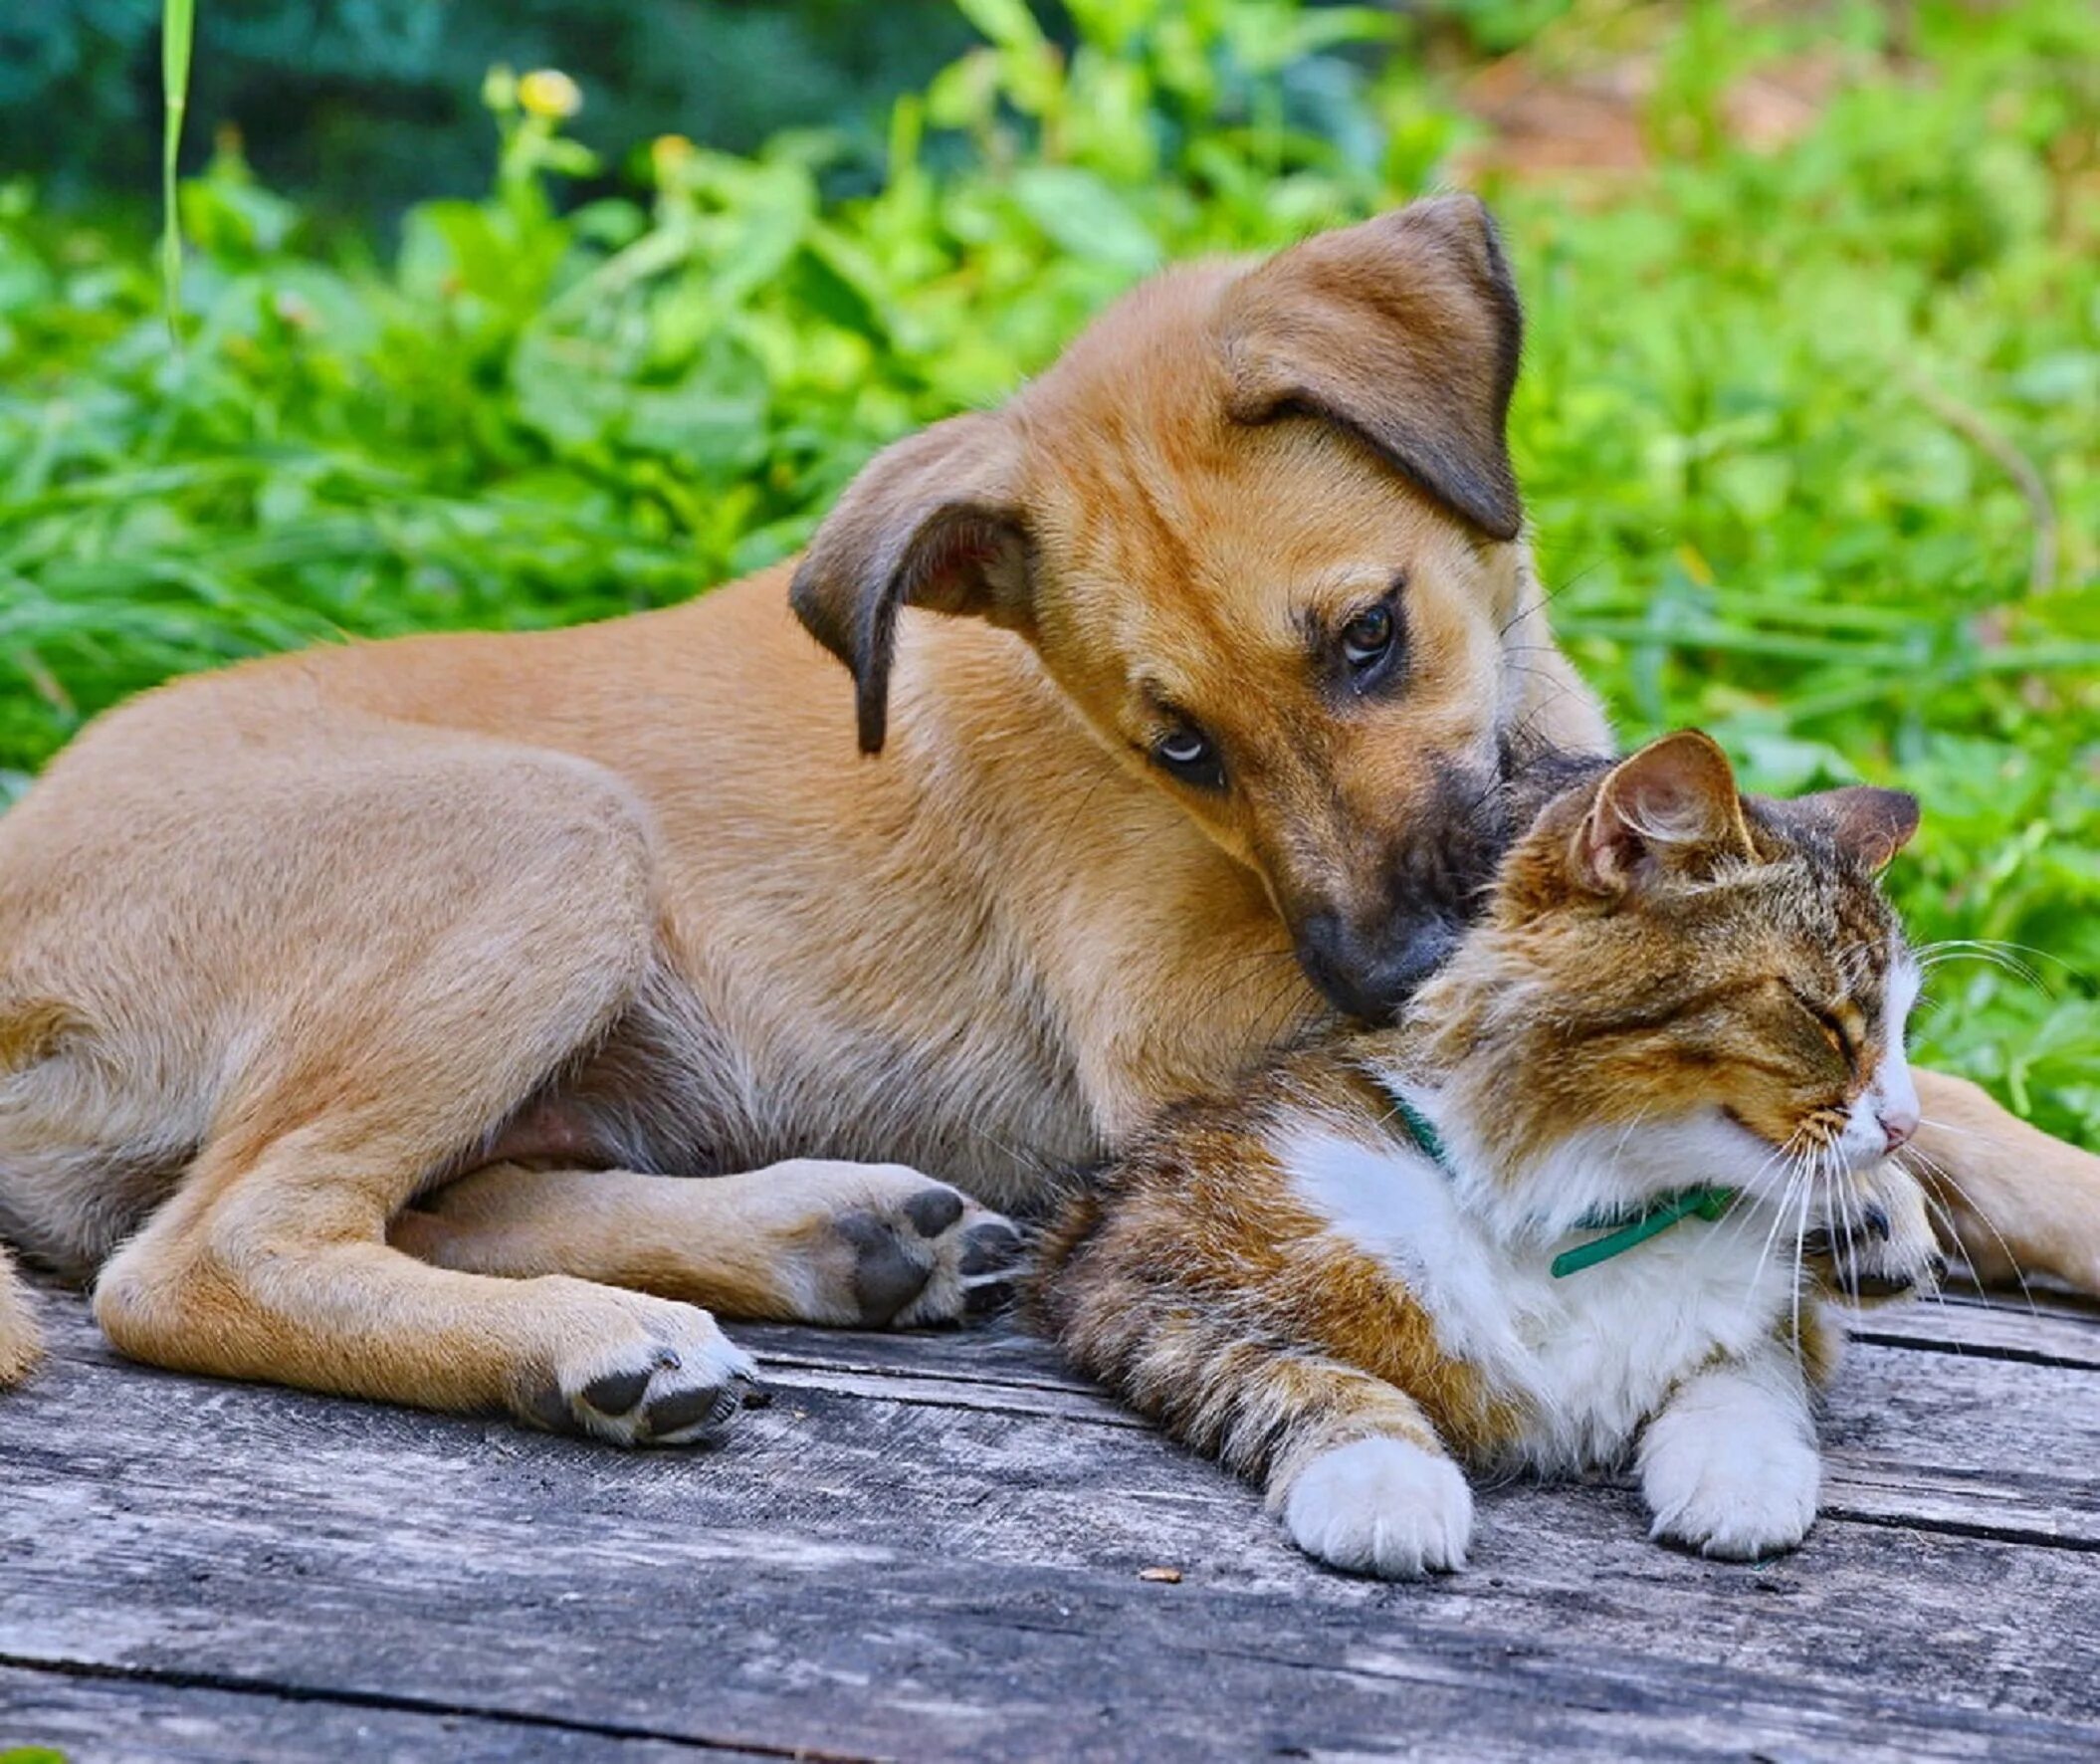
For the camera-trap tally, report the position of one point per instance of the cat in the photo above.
(1468, 1239)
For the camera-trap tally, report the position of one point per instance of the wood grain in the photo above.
(930, 1547)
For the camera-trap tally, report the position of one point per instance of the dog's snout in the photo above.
(1370, 976)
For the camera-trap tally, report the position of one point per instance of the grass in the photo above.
(1808, 433)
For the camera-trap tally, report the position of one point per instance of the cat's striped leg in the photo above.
(1729, 1464)
(1350, 1462)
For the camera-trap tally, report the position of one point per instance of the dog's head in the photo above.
(1259, 526)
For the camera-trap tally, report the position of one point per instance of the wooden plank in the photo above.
(921, 1579)
(2047, 1330)
(126, 1720)
(1966, 1442)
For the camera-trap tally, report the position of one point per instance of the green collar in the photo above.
(1637, 1224)
(1625, 1227)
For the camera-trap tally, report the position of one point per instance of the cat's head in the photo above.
(1676, 984)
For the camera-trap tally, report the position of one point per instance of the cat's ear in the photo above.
(1871, 825)
(1672, 809)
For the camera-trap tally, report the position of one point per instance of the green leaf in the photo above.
(177, 26)
(1007, 23)
(1080, 214)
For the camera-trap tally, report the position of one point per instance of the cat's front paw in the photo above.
(1740, 1490)
(1381, 1506)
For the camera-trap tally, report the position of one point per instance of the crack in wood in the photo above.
(398, 1703)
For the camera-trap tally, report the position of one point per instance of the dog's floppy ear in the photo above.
(1404, 331)
(930, 521)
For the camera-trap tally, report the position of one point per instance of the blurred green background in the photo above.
(1810, 424)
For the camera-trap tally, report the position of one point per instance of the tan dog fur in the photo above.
(326, 946)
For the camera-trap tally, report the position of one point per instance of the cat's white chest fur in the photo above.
(1591, 1356)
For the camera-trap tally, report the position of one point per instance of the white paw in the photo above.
(1736, 1486)
(658, 1373)
(1381, 1506)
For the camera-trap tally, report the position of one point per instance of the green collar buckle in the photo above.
(1704, 1201)
(1623, 1231)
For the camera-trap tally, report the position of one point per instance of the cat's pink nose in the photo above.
(1898, 1125)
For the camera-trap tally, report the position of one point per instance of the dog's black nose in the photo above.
(1370, 976)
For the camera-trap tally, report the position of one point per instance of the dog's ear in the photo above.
(1404, 331)
(933, 522)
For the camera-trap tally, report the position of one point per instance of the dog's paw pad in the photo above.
(618, 1392)
(889, 1271)
(910, 1250)
(932, 1211)
(990, 1248)
(668, 1377)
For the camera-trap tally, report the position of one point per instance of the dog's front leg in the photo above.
(2018, 1202)
(809, 1241)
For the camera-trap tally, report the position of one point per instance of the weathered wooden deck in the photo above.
(933, 1546)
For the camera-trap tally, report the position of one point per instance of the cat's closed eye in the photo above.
(1841, 1027)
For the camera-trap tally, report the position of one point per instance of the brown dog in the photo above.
(454, 937)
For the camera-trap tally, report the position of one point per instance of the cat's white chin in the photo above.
(1381, 1506)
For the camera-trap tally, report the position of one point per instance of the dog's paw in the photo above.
(908, 1250)
(1880, 1245)
(652, 1372)
(1381, 1506)
(1736, 1490)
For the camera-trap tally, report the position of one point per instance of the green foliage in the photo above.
(1775, 416)
(369, 105)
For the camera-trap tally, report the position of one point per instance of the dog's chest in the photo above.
(1586, 1357)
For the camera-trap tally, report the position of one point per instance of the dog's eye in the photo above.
(1368, 640)
(1192, 757)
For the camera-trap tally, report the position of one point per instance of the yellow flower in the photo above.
(667, 153)
(550, 93)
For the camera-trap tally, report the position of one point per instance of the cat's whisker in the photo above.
(1938, 1172)
(1799, 1274)
(1999, 945)
(1779, 1213)
(1942, 1216)
(1739, 1221)
(1618, 1150)
(1993, 954)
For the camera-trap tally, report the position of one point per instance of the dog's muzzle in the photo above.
(1371, 977)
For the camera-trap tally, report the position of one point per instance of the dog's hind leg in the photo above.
(810, 1240)
(514, 928)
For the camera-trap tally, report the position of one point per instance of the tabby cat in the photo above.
(1468, 1239)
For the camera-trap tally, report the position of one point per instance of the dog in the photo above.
(359, 1008)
